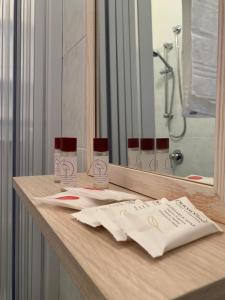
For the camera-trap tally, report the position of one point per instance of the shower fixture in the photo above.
(177, 29)
(169, 74)
(169, 69)
(176, 157)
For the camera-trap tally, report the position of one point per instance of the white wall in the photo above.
(198, 143)
(73, 94)
(165, 15)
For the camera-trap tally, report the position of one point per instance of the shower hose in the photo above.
(181, 135)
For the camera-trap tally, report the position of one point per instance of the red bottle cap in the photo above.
(101, 144)
(162, 144)
(133, 143)
(147, 144)
(57, 142)
(68, 144)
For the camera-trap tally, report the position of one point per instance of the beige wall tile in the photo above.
(73, 23)
(73, 100)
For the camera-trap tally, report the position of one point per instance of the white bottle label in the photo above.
(68, 170)
(100, 170)
(57, 165)
(163, 163)
(133, 159)
(148, 161)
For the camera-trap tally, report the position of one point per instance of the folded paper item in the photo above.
(69, 200)
(168, 226)
(112, 219)
(111, 216)
(103, 195)
(91, 216)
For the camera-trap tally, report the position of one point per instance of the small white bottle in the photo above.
(133, 153)
(68, 160)
(162, 156)
(147, 156)
(57, 164)
(100, 163)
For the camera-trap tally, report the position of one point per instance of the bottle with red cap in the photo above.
(133, 153)
(68, 160)
(57, 164)
(147, 155)
(100, 163)
(162, 156)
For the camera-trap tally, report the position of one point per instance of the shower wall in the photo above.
(198, 142)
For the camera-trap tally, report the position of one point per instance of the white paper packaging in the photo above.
(103, 195)
(90, 216)
(69, 200)
(169, 226)
(112, 219)
(111, 216)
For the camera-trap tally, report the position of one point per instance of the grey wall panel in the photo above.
(127, 67)
(68, 291)
(120, 45)
(101, 74)
(129, 79)
(113, 88)
(40, 73)
(146, 68)
(6, 140)
(135, 69)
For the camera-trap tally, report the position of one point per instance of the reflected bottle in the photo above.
(68, 161)
(133, 153)
(147, 155)
(162, 156)
(100, 163)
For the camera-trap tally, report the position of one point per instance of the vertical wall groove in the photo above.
(6, 145)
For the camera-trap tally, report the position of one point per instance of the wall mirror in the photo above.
(159, 97)
(156, 85)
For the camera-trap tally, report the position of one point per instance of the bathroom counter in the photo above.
(104, 269)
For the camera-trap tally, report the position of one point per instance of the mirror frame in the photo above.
(210, 199)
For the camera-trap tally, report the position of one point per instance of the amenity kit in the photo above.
(157, 226)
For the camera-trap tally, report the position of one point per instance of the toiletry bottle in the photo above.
(133, 153)
(57, 153)
(162, 156)
(68, 160)
(100, 163)
(147, 155)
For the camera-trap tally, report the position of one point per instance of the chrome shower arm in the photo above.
(156, 53)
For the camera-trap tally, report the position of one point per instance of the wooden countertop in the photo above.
(105, 269)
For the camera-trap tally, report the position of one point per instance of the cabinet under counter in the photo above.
(104, 269)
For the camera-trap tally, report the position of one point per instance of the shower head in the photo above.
(177, 29)
(157, 54)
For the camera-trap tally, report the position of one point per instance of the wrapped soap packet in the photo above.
(69, 200)
(112, 218)
(89, 216)
(170, 225)
(103, 195)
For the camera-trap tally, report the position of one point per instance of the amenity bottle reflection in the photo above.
(162, 156)
(133, 153)
(147, 154)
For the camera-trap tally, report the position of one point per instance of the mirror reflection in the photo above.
(156, 84)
